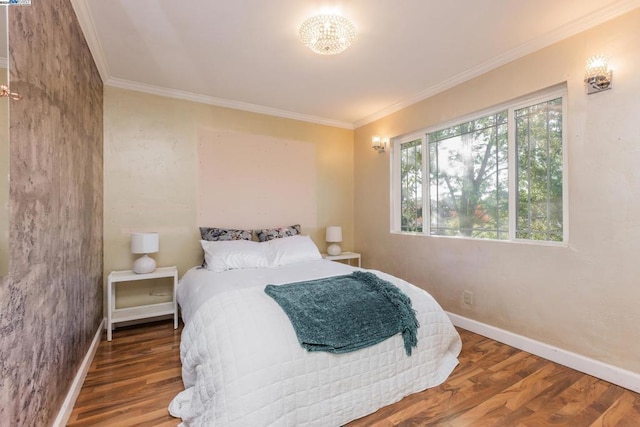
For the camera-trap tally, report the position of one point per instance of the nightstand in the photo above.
(117, 315)
(348, 256)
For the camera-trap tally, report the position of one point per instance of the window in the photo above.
(468, 181)
(496, 176)
(411, 185)
(539, 171)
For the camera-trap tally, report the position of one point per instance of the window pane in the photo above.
(411, 185)
(468, 179)
(539, 171)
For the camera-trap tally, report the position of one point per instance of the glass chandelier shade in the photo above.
(327, 34)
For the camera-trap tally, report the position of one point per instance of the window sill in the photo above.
(462, 238)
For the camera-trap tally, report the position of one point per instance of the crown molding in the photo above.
(598, 17)
(83, 13)
(222, 102)
(87, 24)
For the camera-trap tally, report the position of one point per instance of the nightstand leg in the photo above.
(109, 309)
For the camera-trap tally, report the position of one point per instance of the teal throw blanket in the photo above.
(346, 313)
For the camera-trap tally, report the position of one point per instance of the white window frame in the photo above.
(511, 107)
(396, 190)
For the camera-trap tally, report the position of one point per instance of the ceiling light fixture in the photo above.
(327, 34)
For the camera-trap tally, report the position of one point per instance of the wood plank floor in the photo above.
(134, 377)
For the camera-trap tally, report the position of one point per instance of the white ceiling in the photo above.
(246, 53)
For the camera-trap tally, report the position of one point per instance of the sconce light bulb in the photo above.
(597, 66)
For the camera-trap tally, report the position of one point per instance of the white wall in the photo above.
(583, 297)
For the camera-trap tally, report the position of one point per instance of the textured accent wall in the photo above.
(51, 300)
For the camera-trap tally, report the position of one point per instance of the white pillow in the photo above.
(224, 255)
(291, 250)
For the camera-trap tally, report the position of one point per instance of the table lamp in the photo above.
(334, 236)
(144, 243)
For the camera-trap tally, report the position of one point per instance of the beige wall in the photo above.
(583, 297)
(152, 169)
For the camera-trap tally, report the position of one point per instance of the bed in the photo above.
(242, 364)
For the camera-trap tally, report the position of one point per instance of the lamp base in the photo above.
(145, 264)
(334, 249)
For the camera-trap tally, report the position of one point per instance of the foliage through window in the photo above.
(467, 172)
(539, 171)
(468, 180)
(411, 185)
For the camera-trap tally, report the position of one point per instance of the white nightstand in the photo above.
(116, 315)
(348, 256)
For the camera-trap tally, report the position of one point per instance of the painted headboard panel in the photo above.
(254, 181)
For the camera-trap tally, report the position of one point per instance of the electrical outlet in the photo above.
(467, 297)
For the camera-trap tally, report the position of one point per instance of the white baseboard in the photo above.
(610, 373)
(76, 386)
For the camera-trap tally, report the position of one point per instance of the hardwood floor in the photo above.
(134, 377)
(498, 385)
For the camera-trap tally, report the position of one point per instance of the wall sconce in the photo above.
(6, 93)
(598, 74)
(379, 144)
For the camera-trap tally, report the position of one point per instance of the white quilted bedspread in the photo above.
(243, 366)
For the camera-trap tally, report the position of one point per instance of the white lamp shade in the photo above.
(334, 234)
(144, 243)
